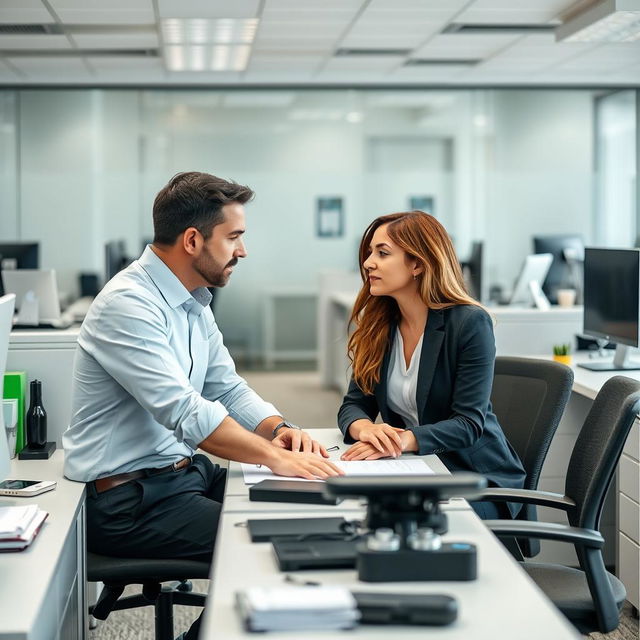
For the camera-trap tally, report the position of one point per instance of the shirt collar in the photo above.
(173, 291)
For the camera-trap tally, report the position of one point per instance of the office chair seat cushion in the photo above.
(140, 570)
(568, 589)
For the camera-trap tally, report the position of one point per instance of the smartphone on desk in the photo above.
(25, 488)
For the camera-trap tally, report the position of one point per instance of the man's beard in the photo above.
(208, 267)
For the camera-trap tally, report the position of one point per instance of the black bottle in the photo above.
(36, 418)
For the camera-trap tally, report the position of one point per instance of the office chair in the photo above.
(590, 596)
(117, 573)
(529, 397)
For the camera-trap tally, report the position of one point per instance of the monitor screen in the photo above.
(6, 318)
(560, 275)
(115, 258)
(19, 255)
(611, 294)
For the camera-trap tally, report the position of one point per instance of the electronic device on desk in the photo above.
(290, 491)
(25, 488)
(472, 270)
(37, 299)
(612, 304)
(404, 521)
(566, 269)
(18, 255)
(527, 290)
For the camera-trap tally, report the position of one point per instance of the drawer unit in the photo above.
(629, 568)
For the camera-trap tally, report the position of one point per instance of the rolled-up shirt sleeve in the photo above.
(130, 340)
(224, 385)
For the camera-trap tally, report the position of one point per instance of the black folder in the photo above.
(290, 491)
(264, 529)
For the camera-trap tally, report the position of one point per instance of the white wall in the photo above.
(541, 179)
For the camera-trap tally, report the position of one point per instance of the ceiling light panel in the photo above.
(207, 57)
(206, 31)
(208, 8)
(605, 21)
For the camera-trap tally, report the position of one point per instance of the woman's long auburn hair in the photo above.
(440, 285)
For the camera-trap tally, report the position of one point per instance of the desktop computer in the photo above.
(528, 286)
(37, 299)
(565, 271)
(612, 303)
(19, 255)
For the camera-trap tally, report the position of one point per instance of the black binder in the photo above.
(265, 529)
(290, 491)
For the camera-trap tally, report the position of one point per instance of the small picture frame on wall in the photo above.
(423, 203)
(329, 217)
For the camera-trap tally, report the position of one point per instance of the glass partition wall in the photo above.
(81, 167)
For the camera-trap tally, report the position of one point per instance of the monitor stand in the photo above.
(621, 362)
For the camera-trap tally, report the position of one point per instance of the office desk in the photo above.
(42, 589)
(47, 354)
(502, 603)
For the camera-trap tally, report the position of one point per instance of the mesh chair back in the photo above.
(598, 448)
(529, 397)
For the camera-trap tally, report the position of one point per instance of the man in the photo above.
(153, 382)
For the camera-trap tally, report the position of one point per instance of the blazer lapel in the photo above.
(381, 387)
(431, 345)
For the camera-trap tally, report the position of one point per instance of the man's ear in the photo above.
(192, 241)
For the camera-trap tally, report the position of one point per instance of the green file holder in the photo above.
(15, 386)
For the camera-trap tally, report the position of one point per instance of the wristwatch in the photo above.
(282, 425)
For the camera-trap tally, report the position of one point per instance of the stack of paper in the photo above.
(254, 473)
(297, 608)
(19, 526)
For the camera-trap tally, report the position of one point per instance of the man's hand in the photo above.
(303, 465)
(382, 437)
(366, 451)
(298, 440)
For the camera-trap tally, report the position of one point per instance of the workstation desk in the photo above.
(43, 588)
(503, 603)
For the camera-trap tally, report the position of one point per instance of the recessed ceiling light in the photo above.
(608, 21)
(209, 31)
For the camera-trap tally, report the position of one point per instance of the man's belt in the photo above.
(111, 482)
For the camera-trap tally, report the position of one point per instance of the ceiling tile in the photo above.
(374, 64)
(208, 8)
(107, 16)
(25, 42)
(116, 41)
(24, 12)
(99, 5)
(531, 15)
(464, 45)
(400, 41)
(311, 5)
(51, 67)
(272, 62)
(125, 63)
(294, 44)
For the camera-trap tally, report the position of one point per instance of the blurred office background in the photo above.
(80, 167)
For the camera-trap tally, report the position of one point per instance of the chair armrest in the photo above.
(546, 531)
(527, 496)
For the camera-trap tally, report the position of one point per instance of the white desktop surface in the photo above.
(503, 603)
(36, 583)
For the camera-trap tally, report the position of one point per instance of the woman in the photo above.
(422, 355)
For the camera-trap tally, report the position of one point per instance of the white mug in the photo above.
(566, 297)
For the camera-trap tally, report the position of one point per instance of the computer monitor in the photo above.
(19, 255)
(612, 303)
(115, 258)
(6, 317)
(528, 286)
(566, 269)
(472, 269)
(36, 295)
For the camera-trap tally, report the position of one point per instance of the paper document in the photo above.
(393, 467)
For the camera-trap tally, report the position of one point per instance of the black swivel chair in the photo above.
(529, 397)
(117, 573)
(590, 596)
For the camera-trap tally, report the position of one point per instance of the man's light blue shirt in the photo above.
(152, 377)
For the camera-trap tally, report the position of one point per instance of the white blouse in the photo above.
(402, 381)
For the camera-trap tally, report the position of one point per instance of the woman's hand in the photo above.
(382, 437)
(366, 451)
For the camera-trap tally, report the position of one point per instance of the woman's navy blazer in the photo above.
(454, 385)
